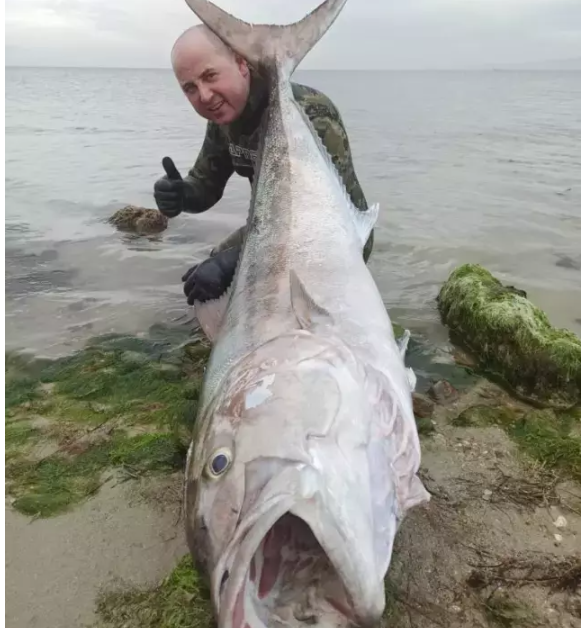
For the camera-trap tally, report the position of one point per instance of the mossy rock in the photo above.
(139, 220)
(511, 338)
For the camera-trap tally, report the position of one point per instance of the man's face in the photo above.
(215, 82)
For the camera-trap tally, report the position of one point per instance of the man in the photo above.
(232, 97)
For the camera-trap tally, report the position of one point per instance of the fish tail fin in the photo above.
(265, 45)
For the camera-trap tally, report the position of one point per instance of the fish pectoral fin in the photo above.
(411, 377)
(402, 343)
(210, 314)
(366, 221)
(305, 308)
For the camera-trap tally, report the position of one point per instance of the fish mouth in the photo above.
(279, 574)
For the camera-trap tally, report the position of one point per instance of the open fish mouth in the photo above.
(288, 580)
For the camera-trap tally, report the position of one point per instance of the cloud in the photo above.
(368, 34)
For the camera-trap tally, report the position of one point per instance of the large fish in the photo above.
(305, 456)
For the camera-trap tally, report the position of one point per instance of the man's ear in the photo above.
(242, 65)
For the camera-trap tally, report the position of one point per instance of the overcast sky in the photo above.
(373, 34)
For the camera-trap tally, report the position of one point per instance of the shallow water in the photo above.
(481, 167)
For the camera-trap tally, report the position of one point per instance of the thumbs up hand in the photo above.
(171, 192)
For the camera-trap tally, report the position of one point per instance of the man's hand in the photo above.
(173, 195)
(211, 278)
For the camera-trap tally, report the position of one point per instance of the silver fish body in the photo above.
(305, 456)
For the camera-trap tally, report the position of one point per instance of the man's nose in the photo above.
(204, 93)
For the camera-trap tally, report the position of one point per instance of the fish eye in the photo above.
(218, 463)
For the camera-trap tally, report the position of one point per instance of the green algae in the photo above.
(505, 611)
(122, 402)
(21, 381)
(424, 426)
(510, 337)
(53, 484)
(546, 436)
(181, 600)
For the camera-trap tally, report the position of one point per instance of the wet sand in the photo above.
(56, 567)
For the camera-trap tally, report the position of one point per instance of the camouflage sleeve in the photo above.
(330, 128)
(212, 169)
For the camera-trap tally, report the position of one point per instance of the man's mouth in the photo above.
(283, 577)
(216, 107)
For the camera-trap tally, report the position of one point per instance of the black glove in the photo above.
(211, 278)
(173, 195)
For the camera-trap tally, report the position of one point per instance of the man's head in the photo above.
(215, 80)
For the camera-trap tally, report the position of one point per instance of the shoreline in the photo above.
(493, 501)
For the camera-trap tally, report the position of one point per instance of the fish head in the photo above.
(291, 498)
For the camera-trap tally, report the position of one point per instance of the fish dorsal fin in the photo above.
(305, 308)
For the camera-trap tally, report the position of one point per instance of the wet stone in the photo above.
(423, 407)
(443, 392)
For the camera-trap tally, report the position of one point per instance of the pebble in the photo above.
(487, 494)
(558, 538)
(439, 438)
(560, 522)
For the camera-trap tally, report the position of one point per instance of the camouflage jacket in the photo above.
(233, 148)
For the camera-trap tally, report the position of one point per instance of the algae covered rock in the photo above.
(510, 337)
(139, 220)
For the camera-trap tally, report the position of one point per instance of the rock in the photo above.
(482, 415)
(558, 538)
(561, 522)
(511, 338)
(443, 392)
(422, 406)
(462, 358)
(139, 220)
(487, 495)
(440, 439)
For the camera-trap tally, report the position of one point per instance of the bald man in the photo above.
(224, 90)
